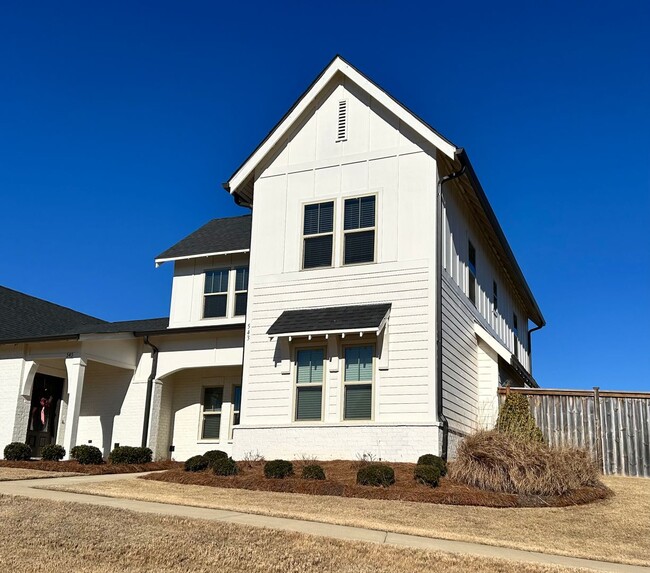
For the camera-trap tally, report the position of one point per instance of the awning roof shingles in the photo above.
(217, 236)
(331, 319)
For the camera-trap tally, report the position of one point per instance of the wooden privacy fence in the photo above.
(614, 426)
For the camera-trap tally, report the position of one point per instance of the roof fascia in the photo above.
(200, 255)
(336, 66)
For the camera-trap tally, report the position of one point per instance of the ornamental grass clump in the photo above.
(224, 467)
(87, 455)
(17, 452)
(516, 419)
(435, 461)
(52, 453)
(313, 471)
(130, 455)
(376, 475)
(196, 464)
(278, 469)
(497, 461)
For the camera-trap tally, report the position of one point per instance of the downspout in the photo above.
(441, 416)
(530, 348)
(152, 377)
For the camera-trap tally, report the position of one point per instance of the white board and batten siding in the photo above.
(380, 156)
(470, 370)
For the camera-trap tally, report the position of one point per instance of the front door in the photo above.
(42, 425)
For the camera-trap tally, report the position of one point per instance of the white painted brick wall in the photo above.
(396, 443)
(10, 375)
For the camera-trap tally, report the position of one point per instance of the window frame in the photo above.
(515, 335)
(233, 408)
(230, 293)
(316, 235)
(372, 383)
(495, 297)
(471, 273)
(205, 413)
(297, 385)
(345, 232)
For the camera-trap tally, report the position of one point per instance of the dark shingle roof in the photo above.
(217, 236)
(330, 319)
(145, 325)
(23, 317)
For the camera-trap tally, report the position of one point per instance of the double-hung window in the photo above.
(241, 290)
(309, 383)
(216, 293)
(236, 407)
(471, 279)
(358, 382)
(318, 235)
(359, 230)
(211, 415)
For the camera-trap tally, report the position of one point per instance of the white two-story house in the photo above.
(367, 303)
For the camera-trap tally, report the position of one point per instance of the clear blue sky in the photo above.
(120, 120)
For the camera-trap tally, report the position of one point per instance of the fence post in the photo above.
(598, 429)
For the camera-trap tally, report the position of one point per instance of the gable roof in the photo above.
(25, 317)
(217, 237)
(242, 176)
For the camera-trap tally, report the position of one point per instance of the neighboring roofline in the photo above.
(186, 257)
(338, 64)
(191, 329)
(51, 338)
(492, 218)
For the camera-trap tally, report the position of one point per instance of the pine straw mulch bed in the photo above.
(341, 481)
(76, 467)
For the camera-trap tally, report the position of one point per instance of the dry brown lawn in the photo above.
(8, 474)
(41, 537)
(617, 529)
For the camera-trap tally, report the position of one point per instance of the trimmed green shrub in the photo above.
(17, 452)
(214, 455)
(313, 471)
(376, 475)
(196, 464)
(516, 420)
(87, 455)
(427, 475)
(52, 453)
(130, 455)
(435, 461)
(224, 467)
(278, 469)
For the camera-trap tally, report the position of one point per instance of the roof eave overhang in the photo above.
(164, 260)
(337, 65)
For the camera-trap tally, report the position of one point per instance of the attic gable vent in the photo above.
(342, 129)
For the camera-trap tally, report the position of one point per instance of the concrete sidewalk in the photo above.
(30, 488)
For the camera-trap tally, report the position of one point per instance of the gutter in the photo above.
(439, 406)
(530, 347)
(152, 377)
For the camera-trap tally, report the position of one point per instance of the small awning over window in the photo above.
(331, 320)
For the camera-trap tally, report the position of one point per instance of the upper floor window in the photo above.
(220, 299)
(309, 383)
(359, 230)
(515, 331)
(495, 296)
(241, 290)
(358, 380)
(318, 232)
(216, 293)
(471, 266)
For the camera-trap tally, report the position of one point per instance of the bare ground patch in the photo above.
(617, 529)
(43, 537)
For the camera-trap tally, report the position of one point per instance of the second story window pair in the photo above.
(225, 292)
(359, 225)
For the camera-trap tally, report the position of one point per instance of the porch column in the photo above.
(21, 420)
(75, 368)
(155, 440)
